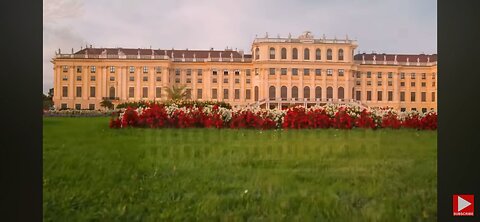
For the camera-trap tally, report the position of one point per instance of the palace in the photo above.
(277, 73)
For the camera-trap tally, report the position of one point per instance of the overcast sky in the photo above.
(390, 26)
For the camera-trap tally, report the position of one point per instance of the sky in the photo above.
(383, 26)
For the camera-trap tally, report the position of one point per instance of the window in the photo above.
(214, 94)
(341, 93)
(413, 75)
(214, 80)
(145, 78)
(256, 71)
(433, 84)
(248, 94)
(424, 84)
(78, 106)
(412, 84)
(177, 80)
(369, 95)
(329, 92)
(379, 83)
(272, 53)
(237, 93)
(390, 75)
(65, 91)
(112, 69)
(284, 53)
(225, 93)
(91, 106)
(199, 93)
(306, 54)
(92, 78)
(402, 96)
(199, 80)
(189, 72)
(247, 72)
(131, 69)
(247, 81)
(414, 109)
(257, 53)
(424, 75)
(131, 78)
(92, 91)
(403, 109)
(65, 68)
(158, 69)
(145, 69)
(214, 72)
(306, 92)
(237, 81)
(433, 75)
(318, 72)
(306, 72)
(177, 72)
(412, 96)
(189, 80)
(225, 80)
(79, 91)
(390, 83)
(357, 74)
(283, 92)
(433, 96)
(112, 78)
(318, 92)
(283, 71)
(294, 71)
(340, 54)
(329, 72)
(379, 95)
(158, 79)
(402, 75)
(65, 78)
(294, 53)
(295, 92)
(145, 92)
(358, 95)
(390, 96)
(358, 83)
(225, 72)
(402, 83)
(199, 72)
(369, 74)
(272, 71)
(79, 69)
(329, 54)
(424, 96)
(131, 92)
(63, 106)
(271, 92)
(318, 54)
(188, 93)
(79, 78)
(424, 110)
(369, 83)
(158, 92)
(237, 72)
(379, 75)
(341, 72)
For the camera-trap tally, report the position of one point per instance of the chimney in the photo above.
(90, 46)
(59, 51)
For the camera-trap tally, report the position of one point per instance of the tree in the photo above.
(176, 92)
(48, 100)
(107, 104)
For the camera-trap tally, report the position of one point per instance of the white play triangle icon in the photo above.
(462, 203)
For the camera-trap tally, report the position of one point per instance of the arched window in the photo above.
(283, 92)
(306, 92)
(318, 54)
(284, 53)
(341, 93)
(272, 53)
(112, 92)
(329, 92)
(295, 92)
(256, 93)
(271, 92)
(257, 53)
(329, 54)
(318, 92)
(340, 54)
(294, 53)
(306, 54)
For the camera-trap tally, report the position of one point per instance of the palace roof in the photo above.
(398, 57)
(175, 52)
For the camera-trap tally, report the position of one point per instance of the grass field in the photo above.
(94, 173)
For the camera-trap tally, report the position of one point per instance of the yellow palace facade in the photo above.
(278, 72)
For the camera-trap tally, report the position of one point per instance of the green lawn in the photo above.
(94, 173)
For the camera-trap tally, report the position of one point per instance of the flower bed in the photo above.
(298, 117)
